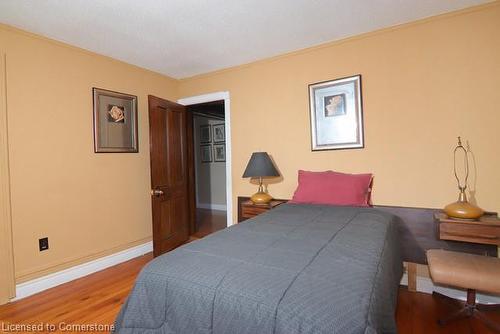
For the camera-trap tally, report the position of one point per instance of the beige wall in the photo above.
(423, 85)
(87, 204)
(210, 177)
(6, 256)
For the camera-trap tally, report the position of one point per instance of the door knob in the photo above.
(156, 192)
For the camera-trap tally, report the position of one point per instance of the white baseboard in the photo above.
(37, 285)
(23, 290)
(425, 285)
(219, 207)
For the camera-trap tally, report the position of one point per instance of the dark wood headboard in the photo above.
(419, 233)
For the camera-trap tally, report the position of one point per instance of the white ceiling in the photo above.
(182, 38)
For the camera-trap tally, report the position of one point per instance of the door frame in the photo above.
(211, 97)
(7, 276)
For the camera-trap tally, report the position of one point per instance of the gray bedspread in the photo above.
(294, 269)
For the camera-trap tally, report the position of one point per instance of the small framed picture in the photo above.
(219, 152)
(336, 114)
(205, 134)
(334, 105)
(115, 122)
(206, 153)
(219, 133)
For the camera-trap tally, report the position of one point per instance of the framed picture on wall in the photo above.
(205, 134)
(219, 133)
(206, 153)
(115, 122)
(336, 112)
(219, 152)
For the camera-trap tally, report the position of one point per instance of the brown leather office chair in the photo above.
(470, 272)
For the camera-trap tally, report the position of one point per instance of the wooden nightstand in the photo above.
(485, 230)
(247, 210)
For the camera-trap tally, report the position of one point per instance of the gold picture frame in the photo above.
(115, 122)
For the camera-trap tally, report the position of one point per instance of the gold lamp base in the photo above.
(261, 198)
(462, 209)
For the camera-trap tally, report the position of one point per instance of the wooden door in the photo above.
(7, 281)
(169, 174)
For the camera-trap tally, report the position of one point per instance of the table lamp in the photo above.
(462, 209)
(260, 165)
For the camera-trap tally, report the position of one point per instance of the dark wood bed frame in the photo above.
(419, 233)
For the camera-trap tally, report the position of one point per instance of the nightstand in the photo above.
(247, 209)
(485, 230)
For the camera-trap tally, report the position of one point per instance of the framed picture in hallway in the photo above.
(336, 112)
(219, 152)
(115, 122)
(205, 134)
(206, 153)
(219, 133)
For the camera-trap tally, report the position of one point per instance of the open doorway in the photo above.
(209, 143)
(212, 97)
(173, 180)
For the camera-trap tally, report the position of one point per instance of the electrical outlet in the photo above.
(43, 244)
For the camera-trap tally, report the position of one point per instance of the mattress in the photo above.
(294, 269)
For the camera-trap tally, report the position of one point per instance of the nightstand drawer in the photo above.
(247, 209)
(252, 211)
(467, 232)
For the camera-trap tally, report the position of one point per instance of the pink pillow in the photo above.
(333, 188)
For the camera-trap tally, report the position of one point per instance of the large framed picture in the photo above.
(115, 122)
(206, 153)
(219, 152)
(219, 133)
(336, 114)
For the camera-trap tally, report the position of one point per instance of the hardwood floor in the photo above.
(94, 299)
(97, 298)
(417, 313)
(209, 221)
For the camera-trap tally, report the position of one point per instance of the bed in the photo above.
(295, 269)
